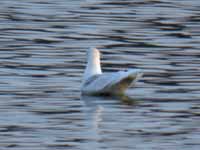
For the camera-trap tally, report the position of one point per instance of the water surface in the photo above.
(42, 58)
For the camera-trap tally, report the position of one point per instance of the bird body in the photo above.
(97, 83)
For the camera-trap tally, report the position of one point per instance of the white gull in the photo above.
(97, 83)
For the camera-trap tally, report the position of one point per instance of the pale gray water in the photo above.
(42, 58)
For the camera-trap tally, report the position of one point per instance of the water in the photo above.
(42, 58)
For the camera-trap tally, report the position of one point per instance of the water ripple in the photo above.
(42, 58)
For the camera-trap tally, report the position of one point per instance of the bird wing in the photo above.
(111, 83)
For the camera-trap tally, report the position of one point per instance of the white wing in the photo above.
(111, 83)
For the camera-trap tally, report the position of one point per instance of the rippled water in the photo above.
(42, 58)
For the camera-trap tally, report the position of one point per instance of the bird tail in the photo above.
(136, 74)
(126, 79)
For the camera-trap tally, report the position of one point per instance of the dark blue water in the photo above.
(42, 58)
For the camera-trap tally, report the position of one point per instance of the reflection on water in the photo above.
(42, 57)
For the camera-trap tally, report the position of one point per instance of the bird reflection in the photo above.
(123, 99)
(97, 108)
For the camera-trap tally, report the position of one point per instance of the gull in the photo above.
(95, 82)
